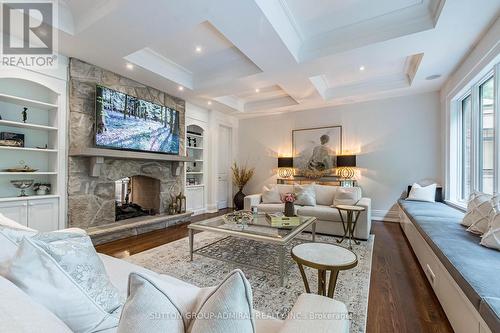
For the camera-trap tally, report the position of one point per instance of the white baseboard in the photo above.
(385, 215)
(212, 208)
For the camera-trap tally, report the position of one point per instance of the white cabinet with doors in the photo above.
(41, 214)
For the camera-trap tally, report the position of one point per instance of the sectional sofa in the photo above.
(329, 221)
(21, 314)
(464, 275)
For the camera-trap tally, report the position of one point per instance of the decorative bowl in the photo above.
(239, 217)
(22, 184)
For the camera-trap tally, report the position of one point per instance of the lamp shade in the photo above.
(285, 162)
(346, 161)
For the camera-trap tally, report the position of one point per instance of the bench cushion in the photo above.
(473, 267)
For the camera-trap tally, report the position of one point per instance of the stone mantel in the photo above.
(97, 156)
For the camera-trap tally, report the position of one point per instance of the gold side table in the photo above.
(323, 257)
(349, 223)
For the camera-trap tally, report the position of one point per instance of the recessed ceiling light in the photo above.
(209, 102)
(257, 90)
(361, 68)
(198, 49)
(433, 77)
(181, 88)
(130, 66)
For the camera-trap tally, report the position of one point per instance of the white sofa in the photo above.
(18, 313)
(329, 221)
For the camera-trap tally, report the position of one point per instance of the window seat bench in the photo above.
(464, 275)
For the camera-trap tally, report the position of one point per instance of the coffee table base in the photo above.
(282, 269)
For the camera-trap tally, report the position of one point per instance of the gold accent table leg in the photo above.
(321, 282)
(346, 231)
(304, 278)
(349, 225)
(353, 227)
(191, 243)
(314, 231)
(332, 283)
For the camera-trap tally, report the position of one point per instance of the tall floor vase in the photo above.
(239, 199)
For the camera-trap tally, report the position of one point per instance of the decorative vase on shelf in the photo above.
(289, 209)
(239, 199)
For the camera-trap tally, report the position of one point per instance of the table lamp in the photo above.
(285, 167)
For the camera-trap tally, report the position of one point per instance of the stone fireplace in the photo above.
(137, 196)
(92, 195)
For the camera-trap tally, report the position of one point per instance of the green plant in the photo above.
(241, 175)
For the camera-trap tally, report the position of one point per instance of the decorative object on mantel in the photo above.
(315, 150)
(241, 176)
(41, 189)
(25, 114)
(180, 201)
(285, 167)
(11, 139)
(22, 184)
(289, 199)
(239, 217)
(345, 169)
(172, 208)
(22, 168)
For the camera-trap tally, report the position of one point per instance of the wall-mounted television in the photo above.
(129, 123)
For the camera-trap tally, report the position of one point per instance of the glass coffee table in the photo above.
(259, 230)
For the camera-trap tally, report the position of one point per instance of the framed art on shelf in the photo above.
(315, 150)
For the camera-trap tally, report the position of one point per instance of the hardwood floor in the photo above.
(401, 299)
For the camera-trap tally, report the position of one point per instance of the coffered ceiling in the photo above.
(256, 57)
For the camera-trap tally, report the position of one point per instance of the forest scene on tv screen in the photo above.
(126, 122)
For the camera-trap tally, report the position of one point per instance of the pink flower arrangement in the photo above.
(289, 197)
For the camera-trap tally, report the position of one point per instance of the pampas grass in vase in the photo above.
(241, 176)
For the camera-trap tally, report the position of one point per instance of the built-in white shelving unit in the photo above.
(44, 148)
(195, 169)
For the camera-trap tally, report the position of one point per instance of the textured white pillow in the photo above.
(20, 314)
(478, 207)
(271, 195)
(481, 215)
(491, 238)
(306, 195)
(229, 306)
(149, 308)
(62, 272)
(346, 196)
(422, 193)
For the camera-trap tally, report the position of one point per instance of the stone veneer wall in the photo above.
(91, 200)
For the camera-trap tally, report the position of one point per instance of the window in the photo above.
(474, 145)
(487, 137)
(466, 145)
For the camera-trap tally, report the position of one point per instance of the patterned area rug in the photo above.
(173, 259)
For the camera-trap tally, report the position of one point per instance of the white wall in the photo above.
(397, 140)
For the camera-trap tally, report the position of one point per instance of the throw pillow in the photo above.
(6, 222)
(271, 195)
(481, 216)
(475, 206)
(10, 237)
(63, 272)
(306, 195)
(149, 308)
(422, 193)
(346, 196)
(229, 307)
(20, 314)
(491, 238)
(325, 194)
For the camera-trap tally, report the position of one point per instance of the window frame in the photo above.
(457, 139)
